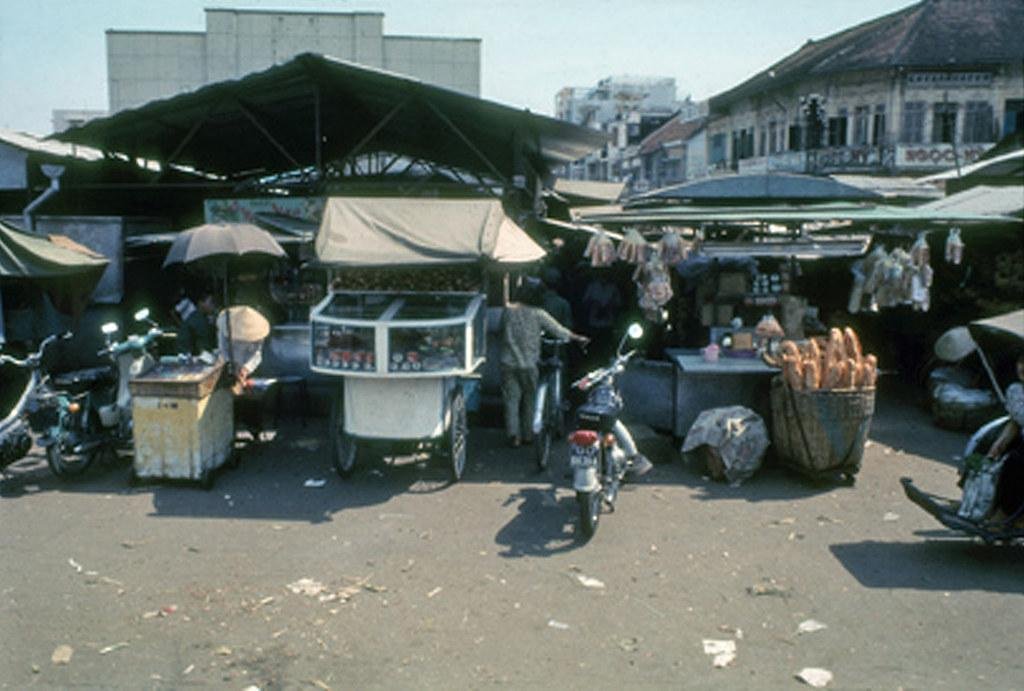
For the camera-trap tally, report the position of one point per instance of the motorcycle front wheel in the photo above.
(542, 447)
(590, 511)
(63, 465)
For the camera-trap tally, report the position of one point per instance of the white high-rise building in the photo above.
(628, 108)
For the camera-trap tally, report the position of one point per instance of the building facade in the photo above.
(674, 153)
(628, 109)
(929, 87)
(147, 65)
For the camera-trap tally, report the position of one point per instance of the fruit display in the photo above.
(426, 349)
(836, 363)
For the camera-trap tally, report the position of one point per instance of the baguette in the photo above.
(812, 374)
(870, 372)
(792, 372)
(852, 344)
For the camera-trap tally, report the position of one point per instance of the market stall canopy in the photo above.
(1005, 165)
(588, 191)
(315, 109)
(764, 188)
(27, 256)
(985, 200)
(378, 231)
(809, 213)
(891, 187)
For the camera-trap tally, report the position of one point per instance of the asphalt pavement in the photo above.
(395, 578)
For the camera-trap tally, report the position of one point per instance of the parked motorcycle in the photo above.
(1003, 336)
(601, 449)
(15, 435)
(94, 411)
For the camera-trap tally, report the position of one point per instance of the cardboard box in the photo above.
(732, 284)
(743, 340)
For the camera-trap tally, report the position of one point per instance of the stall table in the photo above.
(698, 385)
(183, 424)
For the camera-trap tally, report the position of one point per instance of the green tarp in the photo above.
(25, 256)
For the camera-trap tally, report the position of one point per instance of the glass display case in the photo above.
(401, 334)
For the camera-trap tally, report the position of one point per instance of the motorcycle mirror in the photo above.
(635, 331)
(109, 328)
(142, 314)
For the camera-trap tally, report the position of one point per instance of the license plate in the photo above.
(583, 456)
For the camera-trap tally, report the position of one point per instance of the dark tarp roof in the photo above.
(265, 123)
(764, 188)
(34, 257)
(933, 34)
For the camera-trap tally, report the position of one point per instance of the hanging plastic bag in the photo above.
(633, 248)
(671, 247)
(600, 250)
(954, 247)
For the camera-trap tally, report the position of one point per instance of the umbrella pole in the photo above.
(227, 317)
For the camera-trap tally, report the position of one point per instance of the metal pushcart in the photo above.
(403, 358)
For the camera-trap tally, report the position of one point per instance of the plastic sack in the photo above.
(737, 437)
(954, 247)
(600, 250)
(980, 483)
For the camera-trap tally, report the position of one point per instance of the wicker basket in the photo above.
(821, 433)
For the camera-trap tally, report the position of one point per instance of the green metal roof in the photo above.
(820, 213)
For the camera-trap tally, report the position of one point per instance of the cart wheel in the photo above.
(456, 437)
(343, 453)
(133, 477)
(234, 458)
(343, 446)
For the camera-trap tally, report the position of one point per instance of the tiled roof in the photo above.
(671, 131)
(929, 34)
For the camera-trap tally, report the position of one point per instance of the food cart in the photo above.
(403, 355)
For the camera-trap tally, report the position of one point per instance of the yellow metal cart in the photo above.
(183, 423)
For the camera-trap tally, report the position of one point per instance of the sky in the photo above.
(53, 52)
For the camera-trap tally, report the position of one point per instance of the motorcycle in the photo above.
(1001, 334)
(94, 411)
(601, 449)
(15, 428)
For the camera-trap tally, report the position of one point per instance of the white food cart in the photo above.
(402, 355)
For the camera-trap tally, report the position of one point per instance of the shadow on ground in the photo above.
(944, 565)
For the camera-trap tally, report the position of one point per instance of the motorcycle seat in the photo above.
(81, 380)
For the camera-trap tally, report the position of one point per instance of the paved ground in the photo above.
(430, 585)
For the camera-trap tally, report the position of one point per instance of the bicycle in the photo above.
(549, 407)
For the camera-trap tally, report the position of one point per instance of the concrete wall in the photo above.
(240, 42)
(13, 168)
(452, 63)
(146, 65)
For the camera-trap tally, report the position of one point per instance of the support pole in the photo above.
(465, 140)
(266, 133)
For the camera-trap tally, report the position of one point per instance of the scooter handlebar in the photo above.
(32, 360)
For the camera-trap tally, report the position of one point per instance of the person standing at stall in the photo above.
(522, 324)
(196, 332)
